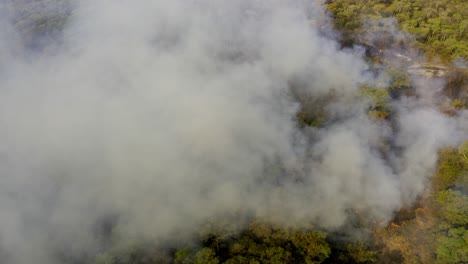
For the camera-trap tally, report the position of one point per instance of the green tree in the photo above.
(463, 151)
(312, 245)
(453, 207)
(452, 247)
(206, 256)
(379, 107)
(183, 256)
(449, 171)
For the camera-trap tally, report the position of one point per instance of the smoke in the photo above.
(157, 116)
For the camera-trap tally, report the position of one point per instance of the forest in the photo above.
(429, 37)
(439, 28)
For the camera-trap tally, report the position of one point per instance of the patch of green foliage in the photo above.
(380, 106)
(451, 170)
(262, 243)
(398, 78)
(451, 206)
(313, 119)
(452, 246)
(204, 256)
(452, 235)
(440, 26)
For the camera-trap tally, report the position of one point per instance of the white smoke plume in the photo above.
(163, 114)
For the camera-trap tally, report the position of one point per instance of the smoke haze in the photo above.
(162, 115)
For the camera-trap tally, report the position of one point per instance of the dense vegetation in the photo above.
(400, 34)
(440, 27)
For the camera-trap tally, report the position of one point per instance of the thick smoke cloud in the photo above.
(162, 115)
